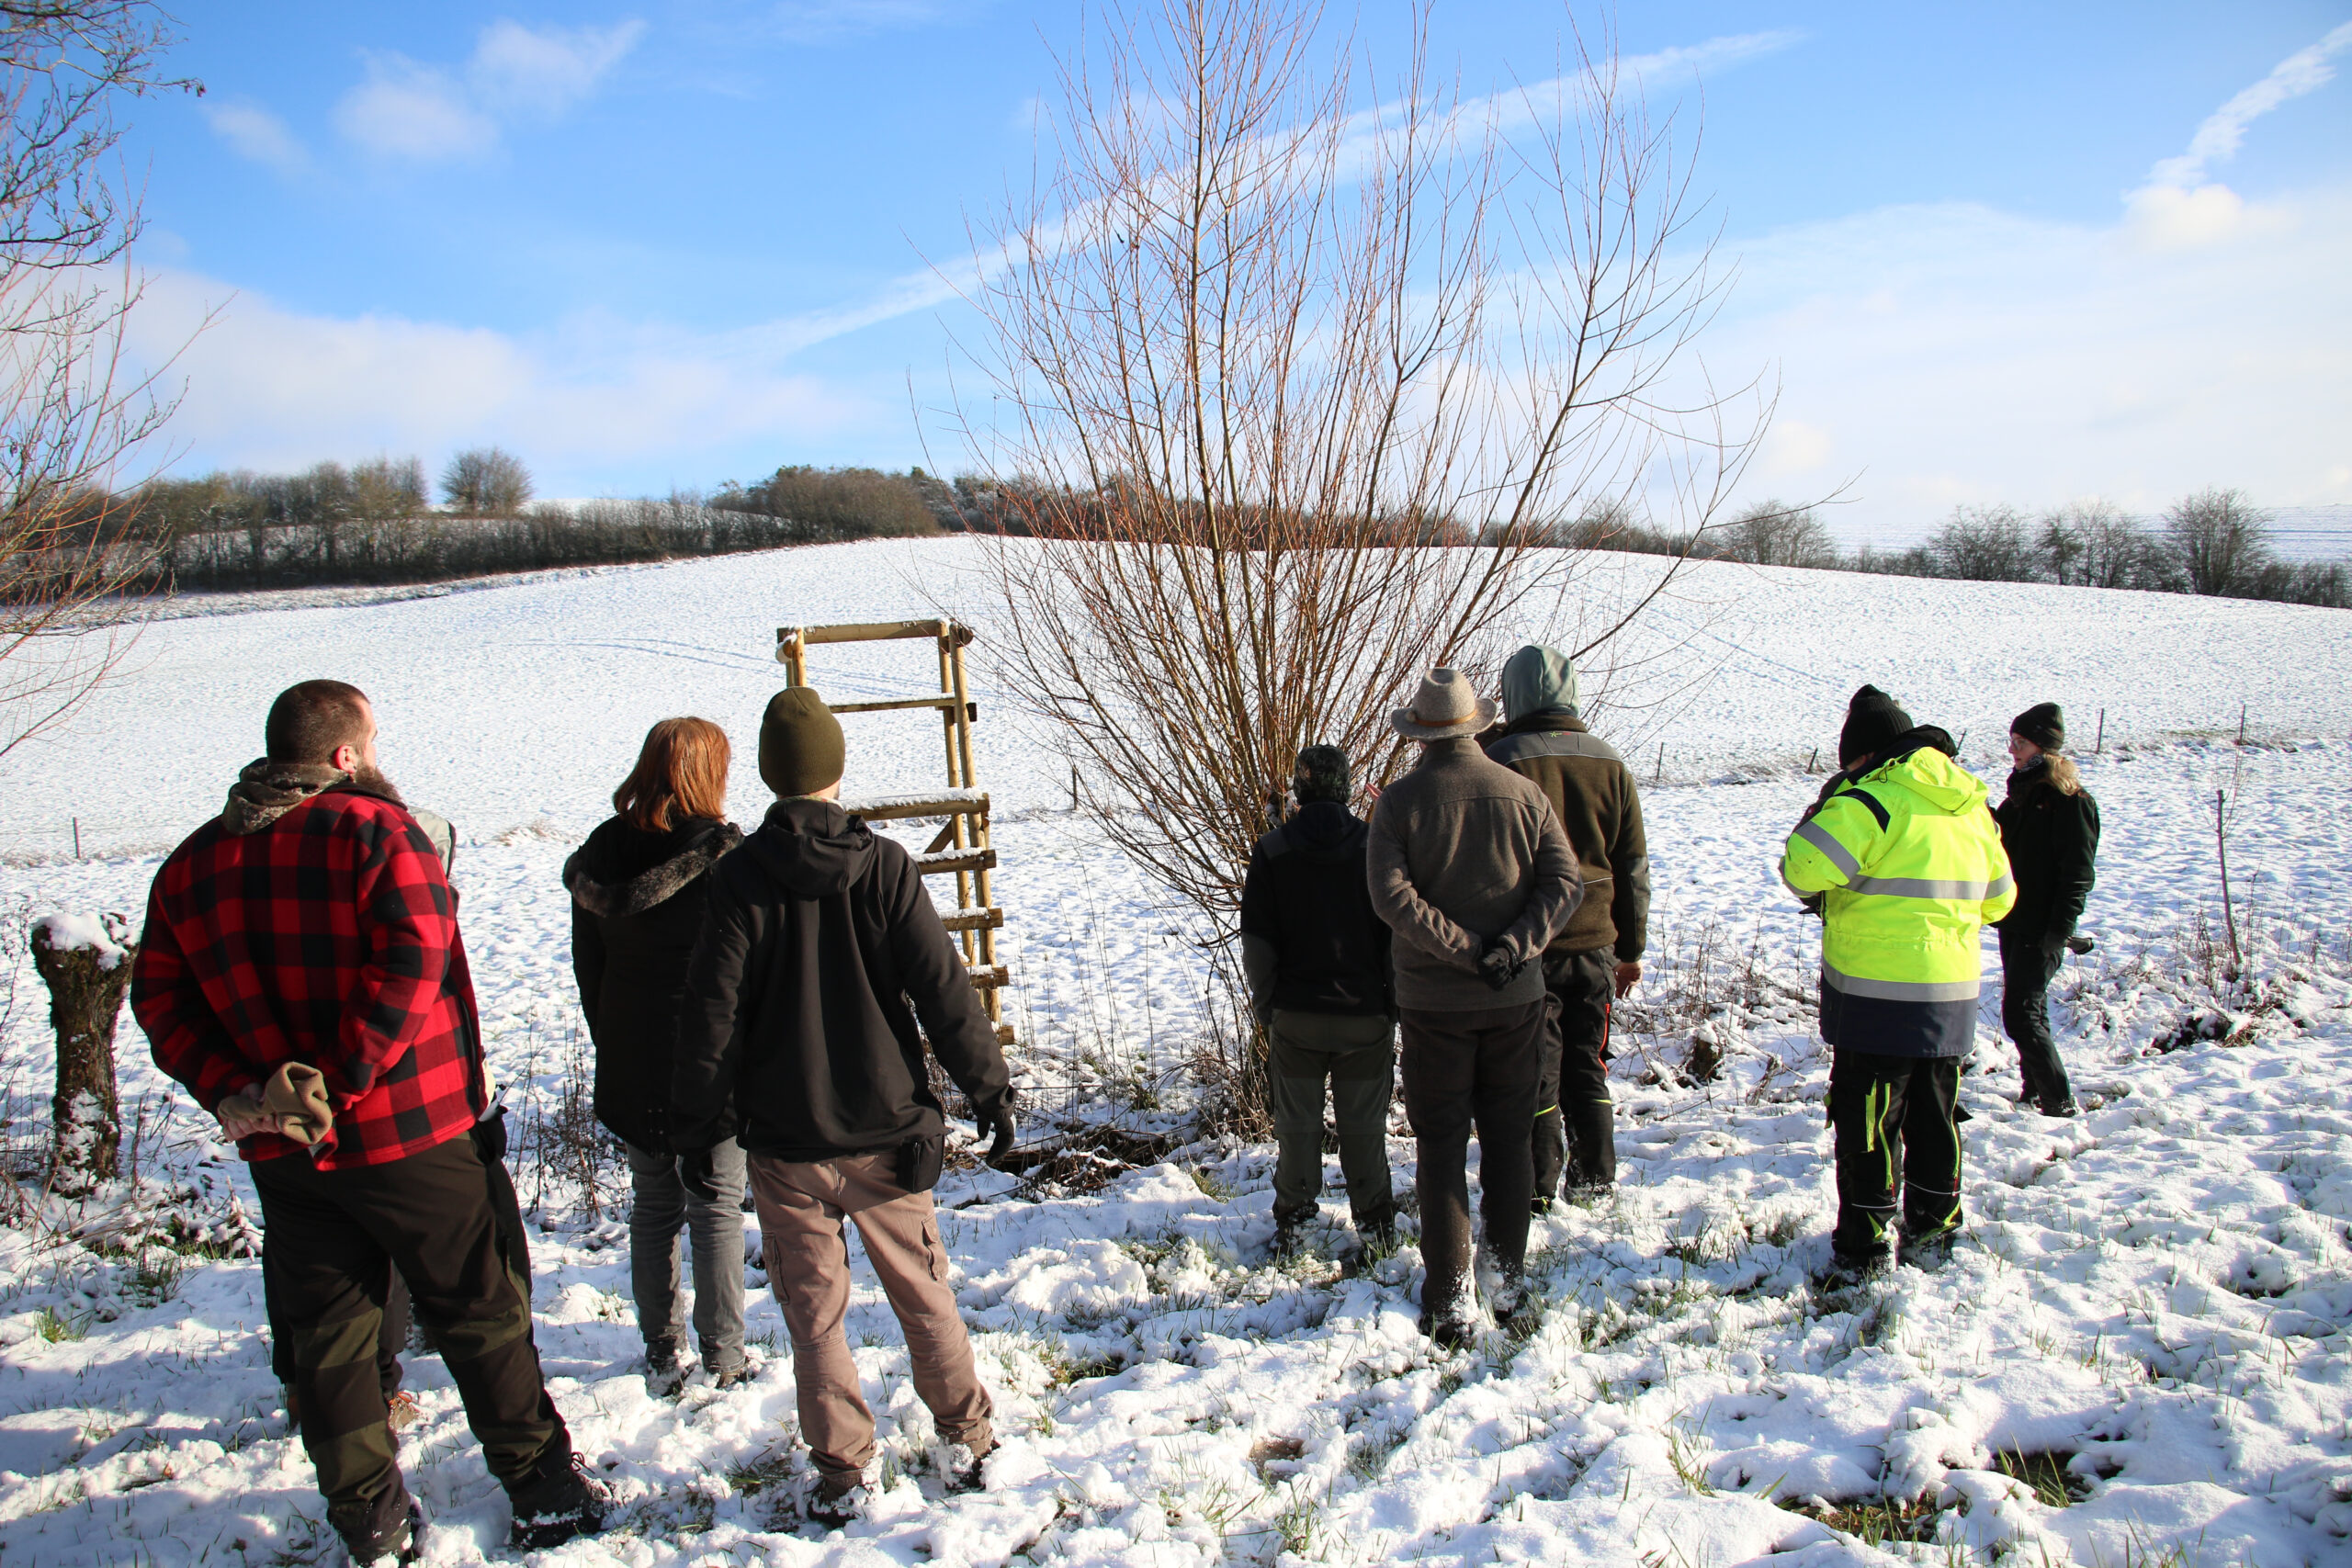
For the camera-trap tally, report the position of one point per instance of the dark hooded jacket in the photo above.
(1592, 791)
(820, 973)
(2052, 841)
(1311, 938)
(637, 907)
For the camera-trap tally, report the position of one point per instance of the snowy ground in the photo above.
(2156, 1295)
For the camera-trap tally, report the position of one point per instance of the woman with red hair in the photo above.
(637, 894)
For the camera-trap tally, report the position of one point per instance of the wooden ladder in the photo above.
(961, 847)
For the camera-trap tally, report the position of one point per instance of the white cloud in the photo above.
(1953, 353)
(548, 70)
(2178, 206)
(274, 388)
(405, 109)
(256, 133)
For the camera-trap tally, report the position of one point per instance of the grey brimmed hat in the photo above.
(1445, 707)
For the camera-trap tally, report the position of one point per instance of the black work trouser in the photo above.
(2029, 963)
(1464, 1071)
(1572, 1097)
(489, 1141)
(332, 1240)
(1896, 1132)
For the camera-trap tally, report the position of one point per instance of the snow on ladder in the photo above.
(961, 848)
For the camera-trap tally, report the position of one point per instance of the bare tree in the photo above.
(1984, 544)
(2097, 544)
(71, 412)
(2222, 543)
(488, 481)
(1293, 392)
(1774, 533)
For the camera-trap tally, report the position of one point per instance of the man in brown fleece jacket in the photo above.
(1597, 957)
(1469, 867)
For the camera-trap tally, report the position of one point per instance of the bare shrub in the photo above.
(1986, 543)
(488, 481)
(1291, 391)
(848, 504)
(1775, 532)
(2222, 543)
(2096, 544)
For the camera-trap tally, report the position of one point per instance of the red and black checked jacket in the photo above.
(329, 937)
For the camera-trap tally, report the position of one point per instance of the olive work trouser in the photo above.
(802, 1206)
(1358, 1056)
(331, 1241)
(1895, 1129)
(1573, 1096)
(1463, 1070)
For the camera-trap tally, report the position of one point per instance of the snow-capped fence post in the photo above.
(2222, 848)
(85, 962)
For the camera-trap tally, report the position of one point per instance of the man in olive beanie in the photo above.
(801, 750)
(822, 973)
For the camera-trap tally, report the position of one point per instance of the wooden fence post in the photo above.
(85, 960)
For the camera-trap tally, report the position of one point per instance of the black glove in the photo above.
(2079, 945)
(1497, 967)
(697, 1171)
(997, 1129)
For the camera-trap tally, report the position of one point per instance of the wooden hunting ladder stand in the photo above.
(961, 848)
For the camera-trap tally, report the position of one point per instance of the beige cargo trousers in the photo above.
(801, 1207)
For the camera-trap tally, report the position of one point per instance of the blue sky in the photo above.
(1983, 248)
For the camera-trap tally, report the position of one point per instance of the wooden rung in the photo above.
(975, 920)
(895, 704)
(914, 808)
(862, 631)
(963, 860)
(987, 978)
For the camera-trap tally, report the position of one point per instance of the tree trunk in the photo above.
(86, 962)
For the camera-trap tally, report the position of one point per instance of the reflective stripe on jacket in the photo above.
(1911, 866)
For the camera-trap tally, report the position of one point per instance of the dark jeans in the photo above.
(2029, 963)
(490, 1142)
(332, 1240)
(1894, 1128)
(1358, 1057)
(1463, 1070)
(1574, 1092)
(662, 1208)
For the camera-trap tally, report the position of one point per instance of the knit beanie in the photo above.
(1321, 774)
(1538, 680)
(2043, 724)
(801, 743)
(1874, 722)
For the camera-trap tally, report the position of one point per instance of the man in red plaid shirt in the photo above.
(303, 974)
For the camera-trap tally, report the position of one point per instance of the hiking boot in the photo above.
(1848, 1269)
(388, 1530)
(841, 1500)
(1931, 1250)
(665, 1373)
(1449, 1332)
(959, 1465)
(557, 1501)
(735, 1376)
(1589, 1194)
(1290, 1237)
(402, 1411)
(2063, 1107)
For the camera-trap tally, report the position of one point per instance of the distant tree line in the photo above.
(2211, 542)
(373, 522)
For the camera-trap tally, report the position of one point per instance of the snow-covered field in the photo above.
(2156, 1295)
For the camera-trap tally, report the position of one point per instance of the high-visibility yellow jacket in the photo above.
(1911, 866)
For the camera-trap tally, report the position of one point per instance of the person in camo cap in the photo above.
(1315, 955)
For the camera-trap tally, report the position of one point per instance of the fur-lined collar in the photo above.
(635, 895)
(266, 791)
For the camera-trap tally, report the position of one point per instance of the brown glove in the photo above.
(295, 1098)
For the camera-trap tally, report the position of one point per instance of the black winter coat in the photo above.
(1311, 938)
(821, 971)
(637, 907)
(2052, 842)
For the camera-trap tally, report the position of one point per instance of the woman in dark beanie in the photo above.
(637, 901)
(2049, 827)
